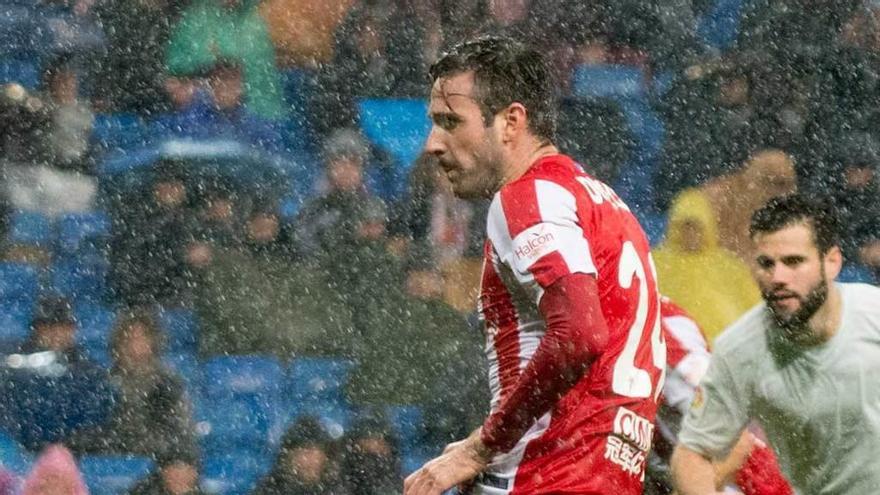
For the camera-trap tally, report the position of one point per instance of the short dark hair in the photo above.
(785, 211)
(505, 71)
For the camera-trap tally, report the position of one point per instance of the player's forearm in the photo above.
(576, 334)
(692, 473)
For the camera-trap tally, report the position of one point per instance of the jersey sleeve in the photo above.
(718, 413)
(534, 227)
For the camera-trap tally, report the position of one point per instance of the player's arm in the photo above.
(576, 333)
(713, 430)
(693, 473)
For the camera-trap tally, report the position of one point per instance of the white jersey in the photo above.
(819, 405)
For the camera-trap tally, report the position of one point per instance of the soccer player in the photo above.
(751, 466)
(804, 365)
(568, 296)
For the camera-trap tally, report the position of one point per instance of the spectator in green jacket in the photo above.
(229, 29)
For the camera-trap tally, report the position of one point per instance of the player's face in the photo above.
(793, 275)
(467, 150)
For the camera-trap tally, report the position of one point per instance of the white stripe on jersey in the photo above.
(559, 206)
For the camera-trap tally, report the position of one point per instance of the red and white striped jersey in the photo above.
(552, 222)
(687, 354)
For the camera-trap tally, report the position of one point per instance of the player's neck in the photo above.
(827, 320)
(525, 156)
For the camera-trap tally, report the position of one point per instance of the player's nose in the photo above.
(434, 144)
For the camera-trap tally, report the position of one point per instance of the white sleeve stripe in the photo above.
(557, 205)
(687, 333)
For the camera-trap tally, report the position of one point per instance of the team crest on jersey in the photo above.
(698, 400)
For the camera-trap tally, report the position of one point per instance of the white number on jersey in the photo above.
(629, 380)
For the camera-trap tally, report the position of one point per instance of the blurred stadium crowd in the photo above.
(225, 263)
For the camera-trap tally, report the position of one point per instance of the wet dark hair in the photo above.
(505, 71)
(785, 211)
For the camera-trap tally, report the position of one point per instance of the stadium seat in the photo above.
(94, 326)
(317, 379)
(608, 81)
(29, 227)
(242, 376)
(19, 282)
(15, 319)
(117, 132)
(654, 225)
(233, 472)
(13, 455)
(719, 26)
(180, 326)
(23, 71)
(857, 273)
(398, 126)
(81, 230)
(408, 423)
(80, 278)
(414, 459)
(244, 422)
(113, 474)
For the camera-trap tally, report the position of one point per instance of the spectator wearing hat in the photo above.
(51, 390)
(176, 473)
(53, 328)
(304, 465)
(346, 211)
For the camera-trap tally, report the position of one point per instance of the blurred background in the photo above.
(226, 267)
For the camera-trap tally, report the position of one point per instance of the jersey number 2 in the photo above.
(628, 379)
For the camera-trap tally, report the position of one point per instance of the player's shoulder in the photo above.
(745, 337)
(554, 173)
(862, 300)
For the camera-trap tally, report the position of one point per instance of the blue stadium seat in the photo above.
(233, 472)
(23, 71)
(181, 328)
(398, 126)
(113, 474)
(719, 26)
(317, 379)
(414, 459)
(242, 376)
(408, 423)
(118, 132)
(244, 422)
(80, 278)
(13, 455)
(19, 282)
(94, 325)
(15, 320)
(30, 227)
(608, 81)
(857, 273)
(654, 225)
(81, 230)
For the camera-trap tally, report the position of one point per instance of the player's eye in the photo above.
(793, 261)
(446, 122)
(765, 263)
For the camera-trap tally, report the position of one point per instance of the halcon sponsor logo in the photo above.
(634, 428)
(534, 245)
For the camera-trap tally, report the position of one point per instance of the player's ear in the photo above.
(515, 120)
(833, 260)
